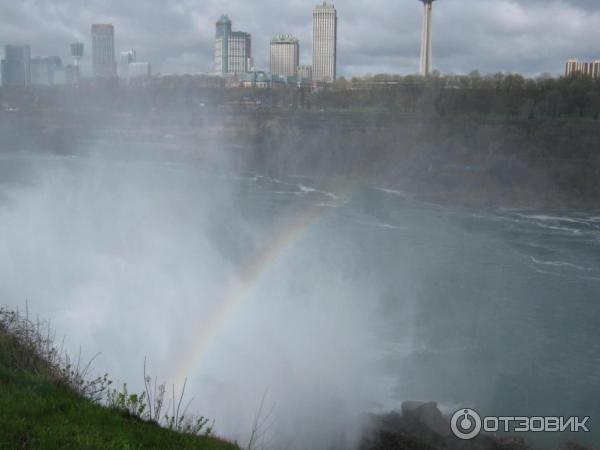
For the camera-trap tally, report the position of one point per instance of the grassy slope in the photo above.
(37, 413)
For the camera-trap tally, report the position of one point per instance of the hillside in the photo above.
(38, 412)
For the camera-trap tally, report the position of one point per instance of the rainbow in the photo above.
(236, 293)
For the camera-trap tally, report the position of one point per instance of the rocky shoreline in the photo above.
(422, 426)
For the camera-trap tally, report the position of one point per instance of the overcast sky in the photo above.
(375, 36)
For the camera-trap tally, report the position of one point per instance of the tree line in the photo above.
(501, 95)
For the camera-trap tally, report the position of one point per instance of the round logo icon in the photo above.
(466, 424)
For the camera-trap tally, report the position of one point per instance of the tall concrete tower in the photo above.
(425, 67)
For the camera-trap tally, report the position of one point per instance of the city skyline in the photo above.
(393, 48)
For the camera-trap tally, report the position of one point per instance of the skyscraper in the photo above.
(285, 56)
(103, 51)
(324, 45)
(239, 52)
(16, 66)
(233, 49)
(425, 66)
(223, 26)
(221, 44)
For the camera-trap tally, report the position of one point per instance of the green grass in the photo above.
(38, 413)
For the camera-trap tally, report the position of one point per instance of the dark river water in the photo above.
(327, 302)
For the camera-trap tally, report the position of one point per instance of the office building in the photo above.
(223, 30)
(233, 49)
(139, 70)
(125, 59)
(45, 70)
(239, 52)
(591, 69)
(16, 66)
(305, 71)
(285, 56)
(103, 51)
(324, 45)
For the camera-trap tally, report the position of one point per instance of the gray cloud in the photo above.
(379, 36)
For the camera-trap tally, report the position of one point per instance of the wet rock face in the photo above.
(422, 426)
(426, 415)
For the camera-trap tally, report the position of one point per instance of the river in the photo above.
(328, 302)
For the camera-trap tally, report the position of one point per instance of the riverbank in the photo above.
(541, 164)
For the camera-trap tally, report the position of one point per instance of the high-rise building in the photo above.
(591, 69)
(305, 71)
(285, 56)
(239, 52)
(233, 49)
(103, 51)
(223, 26)
(223, 30)
(221, 55)
(571, 67)
(425, 66)
(125, 59)
(324, 45)
(16, 66)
